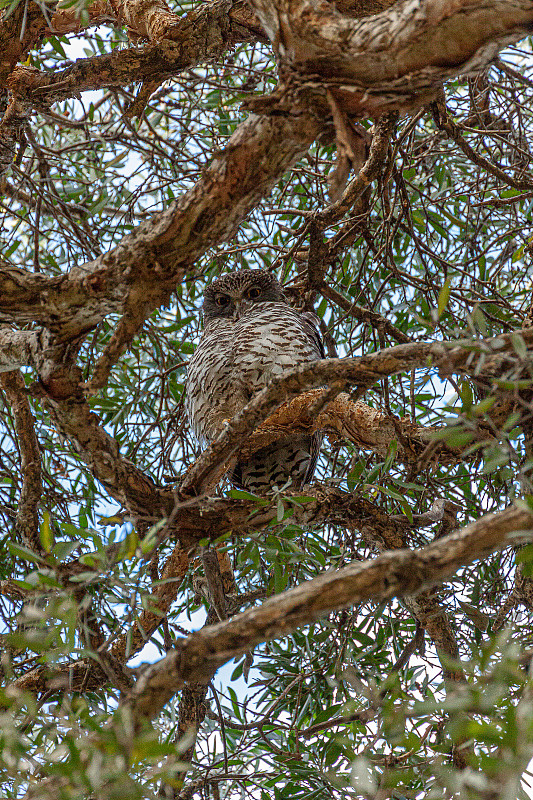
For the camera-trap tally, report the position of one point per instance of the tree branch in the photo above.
(144, 268)
(27, 520)
(363, 372)
(210, 518)
(363, 315)
(178, 43)
(446, 124)
(392, 574)
(397, 59)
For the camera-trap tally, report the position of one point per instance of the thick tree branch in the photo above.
(144, 268)
(181, 42)
(211, 518)
(392, 574)
(398, 58)
(401, 572)
(363, 372)
(27, 520)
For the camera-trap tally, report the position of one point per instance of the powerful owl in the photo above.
(250, 335)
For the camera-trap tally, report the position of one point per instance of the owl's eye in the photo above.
(254, 293)
(222, 300)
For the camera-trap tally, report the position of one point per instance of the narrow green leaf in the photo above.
(46, 534)
(444, 296)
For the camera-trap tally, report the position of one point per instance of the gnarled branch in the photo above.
(392, 574)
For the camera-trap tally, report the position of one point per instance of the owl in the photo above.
(251, 335)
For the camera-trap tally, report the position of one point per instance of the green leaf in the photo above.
(480, 620)
(467, 395)
(150, 540)
(241, 494)
(23, 552)
(46, 534)
(444, 296)
(62, 550)
(519, 345)
(128, 547)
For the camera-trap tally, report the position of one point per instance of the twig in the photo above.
(444, 122)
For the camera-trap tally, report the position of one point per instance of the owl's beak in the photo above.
(236, 309)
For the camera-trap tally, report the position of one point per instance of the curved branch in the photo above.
(445, 123)
(211, 518)
(363, 372)
(144, 268)
(398, 58)
(177, 43)
(392, 574)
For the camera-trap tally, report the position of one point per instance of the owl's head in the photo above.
(236, 293)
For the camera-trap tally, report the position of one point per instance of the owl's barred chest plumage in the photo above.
(236, 358)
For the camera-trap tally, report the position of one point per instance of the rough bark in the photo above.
(180, 42)
(392, 574)
(362, 372)
(27, 520)
(140, 274)
(399, 58)
(210, 518)
(19, 348)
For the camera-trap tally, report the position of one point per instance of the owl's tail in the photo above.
(277, 464)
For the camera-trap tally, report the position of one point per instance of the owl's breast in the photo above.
(235, 360)
(211, 394)
(269, 342)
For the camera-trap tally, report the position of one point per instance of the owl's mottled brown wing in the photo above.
(312, 326)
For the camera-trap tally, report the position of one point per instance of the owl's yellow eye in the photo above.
(222, 300)
(254, 293)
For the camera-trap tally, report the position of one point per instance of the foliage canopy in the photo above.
(419, 697)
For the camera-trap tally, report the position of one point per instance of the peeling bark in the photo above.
(145, 267)
(182, 42)
(392, 574)
(398, 58)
